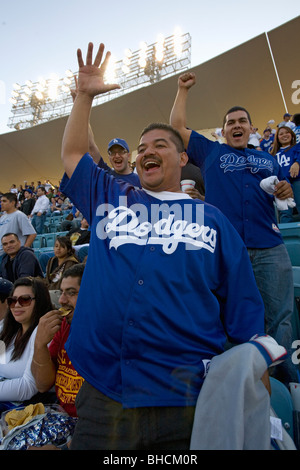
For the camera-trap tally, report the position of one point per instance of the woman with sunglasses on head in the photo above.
(287, 152)
(28, 302)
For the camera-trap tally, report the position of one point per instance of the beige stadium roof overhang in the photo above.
(242, 76)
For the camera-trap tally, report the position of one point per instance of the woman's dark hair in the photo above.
(66, 243)
(12, 329)
(277, 144)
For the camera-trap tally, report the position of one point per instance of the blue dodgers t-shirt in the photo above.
(286, 157)
(266, 144)
(232, 180)
(162, 280)
(131, 178)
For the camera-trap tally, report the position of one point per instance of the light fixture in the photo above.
(50, 98)
(178, 42)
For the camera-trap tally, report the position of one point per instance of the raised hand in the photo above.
(187, 80)
(91, 74)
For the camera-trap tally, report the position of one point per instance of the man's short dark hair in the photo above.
(8, 234)
(42, 188)
(174, 134)
(74, 271)
(233, 110)
(11, 197)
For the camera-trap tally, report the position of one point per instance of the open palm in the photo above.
(91, 74)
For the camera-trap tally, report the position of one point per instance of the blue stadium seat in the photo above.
(282, 404)
(291, 237)
(37, 242)
(296, 313)
(49, 239)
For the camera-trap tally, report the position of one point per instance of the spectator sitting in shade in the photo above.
(82, 235)
(18, 261)
(51, 365)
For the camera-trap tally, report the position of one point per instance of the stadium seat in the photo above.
(49, 239)
(291, 237)
(282, 404)
(37, 242)
(61, 234)
(296, 313)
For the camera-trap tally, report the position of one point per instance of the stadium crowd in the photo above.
(49, 255)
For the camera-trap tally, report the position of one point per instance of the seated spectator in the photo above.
(66, 204)
(28, 203)
(50, 364)
(18, 261)
(267, 140)
(81, 235)
(64, 258)
(56, 205)
(5, 289)
(29, 301)
(73, 220)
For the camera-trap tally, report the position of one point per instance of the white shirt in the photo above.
(42, 205)
(16, 380)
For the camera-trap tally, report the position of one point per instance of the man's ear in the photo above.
(183, 159)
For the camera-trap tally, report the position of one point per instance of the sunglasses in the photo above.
(24, 300)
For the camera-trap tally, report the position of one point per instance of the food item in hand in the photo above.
(64, 311)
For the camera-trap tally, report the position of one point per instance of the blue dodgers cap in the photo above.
(120, 142)
(5, 286)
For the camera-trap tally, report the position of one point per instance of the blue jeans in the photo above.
(38, 222)
(287, 216)
(274, 278)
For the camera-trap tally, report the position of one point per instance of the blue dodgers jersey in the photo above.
(131, 178)
(266, 145)
(286, 158)
(162, 280)
(232, 180)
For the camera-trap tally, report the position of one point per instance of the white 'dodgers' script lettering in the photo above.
(123, 226)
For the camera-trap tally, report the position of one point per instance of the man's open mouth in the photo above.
(237, 134)
(150, 165)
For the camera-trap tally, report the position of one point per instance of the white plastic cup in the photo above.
(295, 393)
(187, 184)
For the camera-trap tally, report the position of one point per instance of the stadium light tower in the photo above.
(48, 99)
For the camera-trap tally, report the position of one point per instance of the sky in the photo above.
(38, 38)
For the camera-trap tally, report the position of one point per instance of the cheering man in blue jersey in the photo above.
(144, 350)
(232, 174)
